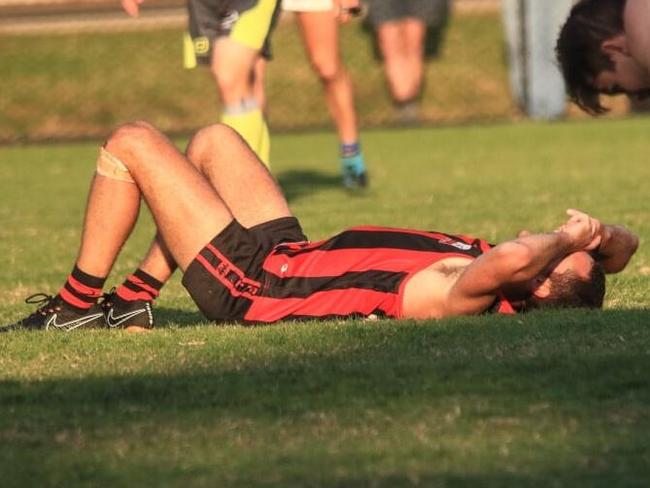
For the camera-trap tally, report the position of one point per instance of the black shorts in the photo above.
(431, 12)
(227, 274)
(434, 13)
(210, 19)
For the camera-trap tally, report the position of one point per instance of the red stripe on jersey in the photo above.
(320, 304)
(84, 289)
(73, 300)
(141, 284)
(336, 262)
(505, 307)
(485, 246)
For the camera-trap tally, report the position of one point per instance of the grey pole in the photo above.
(531, 28)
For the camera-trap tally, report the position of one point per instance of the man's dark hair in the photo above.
(568, 290)
(579, 52)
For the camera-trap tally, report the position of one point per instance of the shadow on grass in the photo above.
(299, 183)
(589, 368)
(166, 317)
(550, 357)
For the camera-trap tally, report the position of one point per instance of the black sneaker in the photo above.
(124, 314)
(55, 314)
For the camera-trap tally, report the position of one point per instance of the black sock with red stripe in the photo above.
(81, 290)
(139, 286)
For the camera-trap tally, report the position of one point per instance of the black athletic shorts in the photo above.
(227, 273)
(250, 22)
(434, 13)
(431, 12)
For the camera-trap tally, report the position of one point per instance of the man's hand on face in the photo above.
(584, 231)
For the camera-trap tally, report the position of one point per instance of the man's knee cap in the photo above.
(326, 71)
(207, 141)
(218, 132)
(130, 133)
(111, 167)
(211, 135)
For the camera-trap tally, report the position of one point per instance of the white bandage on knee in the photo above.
(111, 167)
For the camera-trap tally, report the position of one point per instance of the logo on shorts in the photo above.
(201, 45)
(229, 274)
(228, 19)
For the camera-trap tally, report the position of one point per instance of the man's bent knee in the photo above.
(122, 148)
(129, 136)
(326, 69)
(111, 167)
(207, 141)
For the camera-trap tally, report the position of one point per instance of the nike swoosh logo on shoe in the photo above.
(114, 321)
(73, 324)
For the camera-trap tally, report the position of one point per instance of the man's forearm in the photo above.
(512, 262)
(541, 251)
(618, 245)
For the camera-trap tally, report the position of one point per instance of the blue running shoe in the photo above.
(354, 171)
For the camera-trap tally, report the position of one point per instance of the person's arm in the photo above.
(517, 261)
(618, 245)
(131, 7)
(345, 9)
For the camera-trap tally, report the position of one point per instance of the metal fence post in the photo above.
(532, 27)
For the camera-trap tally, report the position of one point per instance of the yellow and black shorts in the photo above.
(248, 22)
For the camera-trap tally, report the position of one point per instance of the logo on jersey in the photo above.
(463, 246)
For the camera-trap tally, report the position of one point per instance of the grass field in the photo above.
(79, 84)
(546, 399)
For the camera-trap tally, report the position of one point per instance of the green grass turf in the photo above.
(546, 399)
(71, 85)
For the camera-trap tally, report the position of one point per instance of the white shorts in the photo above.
(307, 5)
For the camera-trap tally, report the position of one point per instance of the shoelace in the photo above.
(45, 301)
(105, 299)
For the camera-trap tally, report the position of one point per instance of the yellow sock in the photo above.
(265, 145)
(251, 126)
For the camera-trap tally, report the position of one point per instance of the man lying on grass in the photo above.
(222, 219)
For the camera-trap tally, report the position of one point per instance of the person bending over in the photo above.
(604, 48)
(222, 219)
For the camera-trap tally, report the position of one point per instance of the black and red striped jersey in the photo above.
(357, 273)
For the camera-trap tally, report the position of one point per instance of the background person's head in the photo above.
(593, 56)
(578, 281)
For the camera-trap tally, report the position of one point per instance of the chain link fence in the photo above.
(74, 70)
